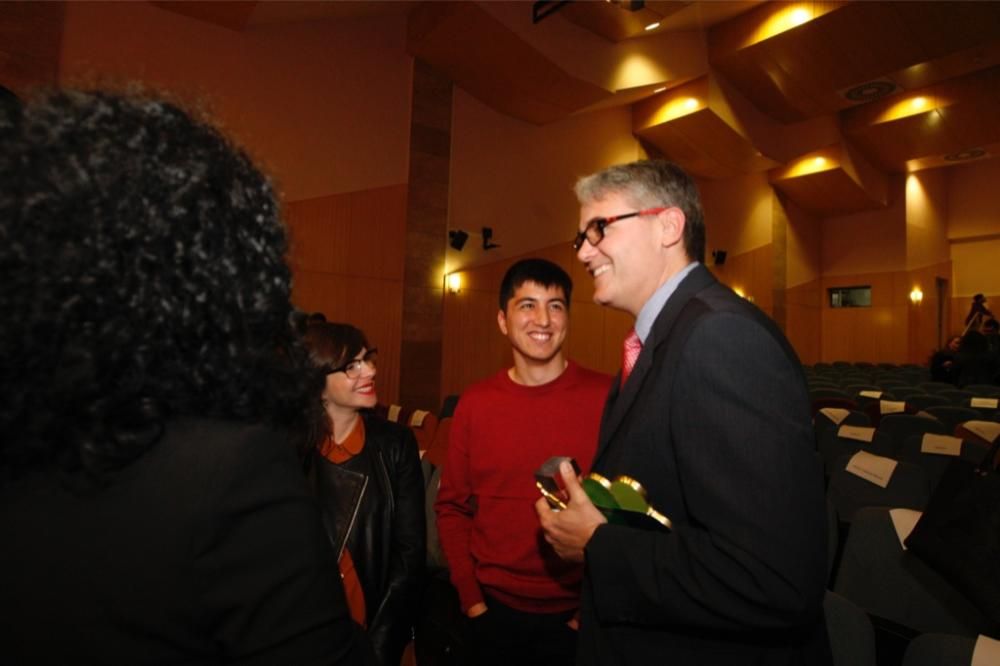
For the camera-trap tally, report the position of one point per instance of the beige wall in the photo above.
(974, 199)
(737, 213)
(518, 178)
(300, 96)
(926, 219)
(867, 242)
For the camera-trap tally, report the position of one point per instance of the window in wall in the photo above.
(851, 297)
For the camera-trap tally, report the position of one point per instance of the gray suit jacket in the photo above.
(714, 421)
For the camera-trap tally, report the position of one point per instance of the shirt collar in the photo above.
(651, 309)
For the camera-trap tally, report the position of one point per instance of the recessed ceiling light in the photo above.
(653, 26)
(965, 155)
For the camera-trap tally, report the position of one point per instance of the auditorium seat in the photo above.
(887, 581)
(907, 488)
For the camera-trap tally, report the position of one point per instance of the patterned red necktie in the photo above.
(630, 353)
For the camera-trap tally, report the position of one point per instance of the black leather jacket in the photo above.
(376, 500)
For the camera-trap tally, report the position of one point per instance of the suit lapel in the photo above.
(620, 400)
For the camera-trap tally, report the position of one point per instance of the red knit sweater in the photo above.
(501, 433)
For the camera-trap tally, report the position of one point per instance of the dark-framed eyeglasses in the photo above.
(354, 367)
(593, 233)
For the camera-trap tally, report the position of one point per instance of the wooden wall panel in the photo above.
(474, 348)
(752, 274)
(803, 307)
(923, 317)
(30, 39)
(347, 262)
(878, 334)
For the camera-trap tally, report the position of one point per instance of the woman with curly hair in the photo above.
(152, 511)
(366, 475)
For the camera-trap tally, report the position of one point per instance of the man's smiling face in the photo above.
(535, 321)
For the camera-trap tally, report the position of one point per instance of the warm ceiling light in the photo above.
(454, 281)
(819, 161)
(653, 26)
(918, 102)
(782, 20)
(916, 296)
(799, 16)
(691, 102)
(659, 90)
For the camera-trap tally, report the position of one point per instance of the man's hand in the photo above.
(475, 610)
(569, 529)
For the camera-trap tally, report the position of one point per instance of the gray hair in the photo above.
(648, 183)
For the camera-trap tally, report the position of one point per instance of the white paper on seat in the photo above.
(835, 414)
(988, 403)
(394, 412)
(891, 407)
(904, 520)
(860, 433)
(942, 445)
(417, 418)
(988, 430)
(986, 652)
(870, 394)
(872, 468)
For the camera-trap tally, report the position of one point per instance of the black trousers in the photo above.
(503, 636)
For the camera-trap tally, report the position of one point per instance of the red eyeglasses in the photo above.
(593, 233)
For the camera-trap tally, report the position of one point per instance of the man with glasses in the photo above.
(521, 598)
(711, 416)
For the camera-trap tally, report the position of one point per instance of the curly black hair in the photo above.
(144, 279)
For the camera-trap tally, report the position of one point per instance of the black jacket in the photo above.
(714, 422)
(376, 500)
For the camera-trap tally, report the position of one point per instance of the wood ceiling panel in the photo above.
(492, 63)
(679, 148)
(232, 14)
(616, 24)
(965, 118)
(704, 144)
(891, 144)
(847, 45)
(829, 192)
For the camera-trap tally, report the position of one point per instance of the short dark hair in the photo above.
(651, 183)
(329, 345)
(539, 271)
(144, 279)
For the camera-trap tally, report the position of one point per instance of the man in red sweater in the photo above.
(521, 598)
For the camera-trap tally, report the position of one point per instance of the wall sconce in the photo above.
(457, 238)
(453, 281)
(916, 296)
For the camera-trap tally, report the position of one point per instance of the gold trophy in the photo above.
(623, 501)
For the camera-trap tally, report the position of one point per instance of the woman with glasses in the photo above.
(366, 474)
